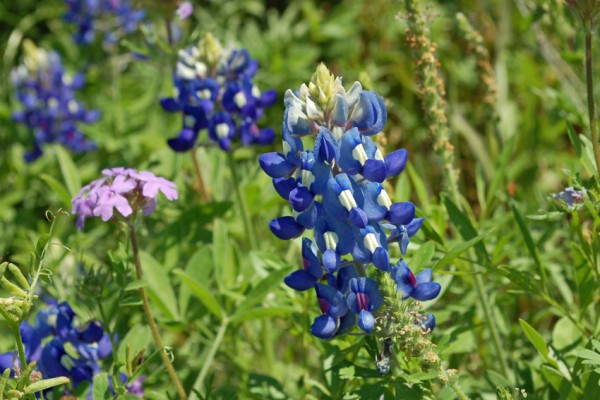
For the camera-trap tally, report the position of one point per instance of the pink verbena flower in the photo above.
(123, 189)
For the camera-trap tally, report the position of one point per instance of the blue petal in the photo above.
(170, 104)
(331, 261)
(426, 291)
(310, 259)
(268, 98)
(301, 198)
(414, 226)
(424, 276)
(286, 228)
(346, 323)
(296, 121)
(358, 217)
(284, 186)
(374, 210)
(344, 275)
(381, 259)
(331, 301)
(374, 170)
(369, 114)
(184, 142)
(308, 218)
(324, 326)
(300, 280)
(93, 333)
(428, 323)
(339, 116)
(395, 162)
(401, 213)
(346, 159)
(275, 165)
(366, 322)
(325, 145)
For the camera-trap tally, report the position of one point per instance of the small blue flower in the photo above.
(312, 271)
(334, 308)
(571, 196)
(363, 299)
(420, 287)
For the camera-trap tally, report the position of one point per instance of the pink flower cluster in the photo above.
(123, 189)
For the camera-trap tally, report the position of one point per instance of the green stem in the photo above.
(248, 227)
(489, 319)
(150, 318)
(200, 187)
(20, 348)
(210, 358)
(590, 94)
(457, 390)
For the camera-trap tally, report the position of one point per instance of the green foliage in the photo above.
(519, 268)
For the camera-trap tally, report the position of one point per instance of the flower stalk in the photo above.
(589, 78)
(150, 319)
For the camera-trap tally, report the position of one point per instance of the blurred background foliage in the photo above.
(513, 153)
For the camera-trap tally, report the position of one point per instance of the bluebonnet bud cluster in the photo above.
(214, 91)
(63, 345)
(115, 18)
(336, 189)
(50, 108)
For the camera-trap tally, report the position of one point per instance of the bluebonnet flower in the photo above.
(124, 190)
(418, 287)
(214, 92)
(115, 18)
(62, 345)
(336, 188)
(50, 109)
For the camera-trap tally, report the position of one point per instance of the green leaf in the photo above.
(533, 251)
(261, 312)
(267, 285)
(135, 285)
(100, 389)
(58, 188)
(460, 249)
(538, 342)
(69, 171)
(159, 288)
(465, 228)
(589, 356)
(404, 392)
(46, 384)
(574, 138)
(422, 257)
(201, 293)
(222, 254)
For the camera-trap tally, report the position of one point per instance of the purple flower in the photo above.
(184, 10)
(123, 190)
(571, 196)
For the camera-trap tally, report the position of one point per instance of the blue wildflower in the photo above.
(336, 188)
(571, 197)
(45, 342)
(364, 298)
(50, 109)
(214, 91)
(420, 287)
(116, 18)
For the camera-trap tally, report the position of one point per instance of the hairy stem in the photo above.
(150, 318)
(590, 94)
